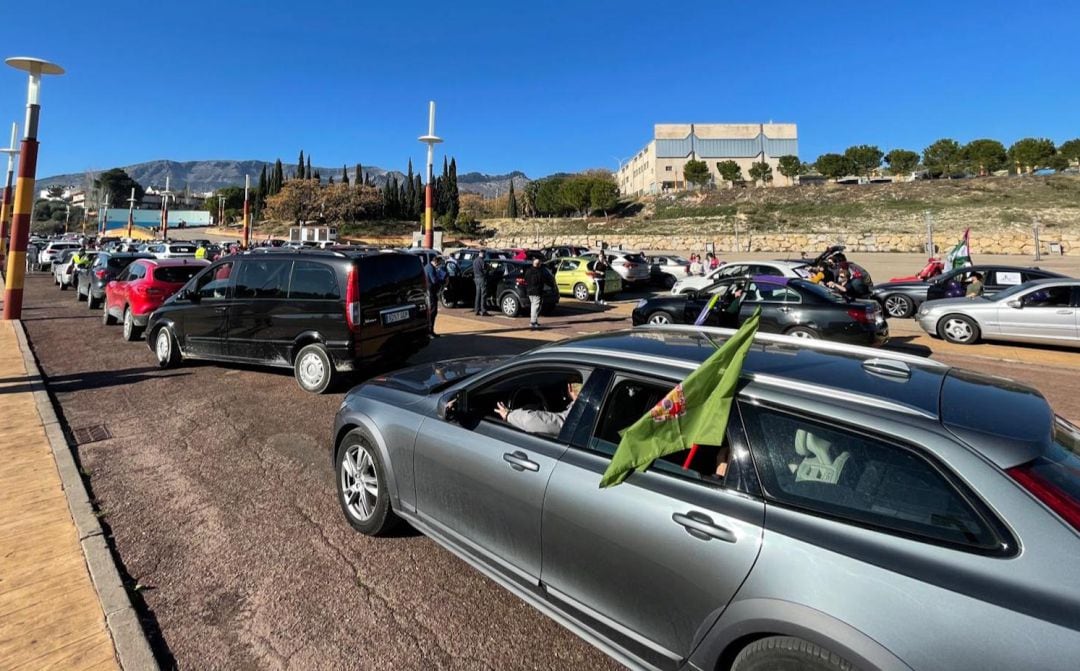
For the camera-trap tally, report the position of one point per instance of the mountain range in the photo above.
(202, 176)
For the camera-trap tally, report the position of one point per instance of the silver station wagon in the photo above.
(867, 510)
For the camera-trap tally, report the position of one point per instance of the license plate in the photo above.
(395, 316)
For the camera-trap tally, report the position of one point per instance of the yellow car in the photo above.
(574, 277)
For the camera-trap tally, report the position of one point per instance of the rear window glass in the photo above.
(389, 271)
(818, 290)
(312, 280)
(263, 279)
(176, 274)
(635, 258)
(182, 249)
(119, 262)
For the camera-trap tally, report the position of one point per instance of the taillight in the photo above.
(520, 281)
(861, 315)
(1055, 498)
(100, 274)
(352, 299)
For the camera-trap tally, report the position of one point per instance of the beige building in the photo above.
(659, 166)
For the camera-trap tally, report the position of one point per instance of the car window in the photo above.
(766, 292)
(136, 271)
(732, 270)
(214, 284)
(262, 279)
(1006, 278)
(176, 274)
(317, 281)
(392, 272)
(124, 275)
(181, 249)
(1048, 297)
(538, 398)
(859, 478)
(630, 399)
(118, 262)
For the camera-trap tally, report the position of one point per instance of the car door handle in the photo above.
(519, 461)
(784, 309)
(1064, 312)
(701, 526)
(220, 309)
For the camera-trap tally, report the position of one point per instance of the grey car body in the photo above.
(1045, 311)
(670, 570)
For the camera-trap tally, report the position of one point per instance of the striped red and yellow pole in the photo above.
(247, 218)
(5, 201)
(20, 223)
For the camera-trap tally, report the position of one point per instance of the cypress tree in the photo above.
(279, 177)
(443, 203)
(300, 166)
(511, 205)
(308, 174)
(390, 198)
(358, 176)
(410, 194)
(330, 180)
(344, 175)
(454, 202)
(260, 190)
(419, 205)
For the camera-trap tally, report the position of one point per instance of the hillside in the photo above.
(211, 175)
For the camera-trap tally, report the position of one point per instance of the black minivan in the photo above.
(318, 312)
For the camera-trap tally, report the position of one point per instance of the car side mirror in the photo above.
(451, 406)
(1016, 304)
(190, 295)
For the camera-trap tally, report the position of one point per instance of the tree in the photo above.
(1070, 150)
(604, 193)
(834, 166)
(1057, 162)
(358, 175)
(55, 192)
(260, 191)
(454, 197)
(309, 174)
(696, 172)
(790, 167)
(117, 184)
(574, 194)
(985, 156)
(300, 166)
(865, 158)
(761, 172)
(902, 161)
(411, 211)
(943, 158)
(511, 202)
(1031, 153)
(547, 195)
(729, 171)
(278, 179)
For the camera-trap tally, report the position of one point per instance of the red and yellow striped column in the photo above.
(20, 225)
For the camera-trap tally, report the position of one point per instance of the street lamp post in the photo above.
(430, 140)
(24, 187)
(5, 204)
(165, 210)
(131, 213)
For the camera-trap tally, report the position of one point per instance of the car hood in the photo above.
(427, 378)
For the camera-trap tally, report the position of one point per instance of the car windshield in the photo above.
(818, 291)
(119, 262)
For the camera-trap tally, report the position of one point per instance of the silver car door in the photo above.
(656, 558)
(1046, 315)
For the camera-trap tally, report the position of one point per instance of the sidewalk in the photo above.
(50, 613)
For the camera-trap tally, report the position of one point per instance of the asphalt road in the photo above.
(217, 489)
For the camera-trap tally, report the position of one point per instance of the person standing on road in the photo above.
(480, 278)
(535, 279)
(436, 278)
(600, 268)
(200, 253)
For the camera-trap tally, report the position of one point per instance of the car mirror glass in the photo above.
(451, 406)
(1017, 304)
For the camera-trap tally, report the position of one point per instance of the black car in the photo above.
(794, 307)
(90, 281)
(466, 256)
(563, 251)
(319, 313)
(505, 290)
(902, 299)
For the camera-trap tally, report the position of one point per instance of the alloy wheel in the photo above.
(659, 318)
(897, 306)
(359, 482)
(958, 330)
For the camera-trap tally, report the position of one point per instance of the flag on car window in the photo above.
(694, 412)
(960, 255)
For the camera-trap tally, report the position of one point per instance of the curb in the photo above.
(129, 640)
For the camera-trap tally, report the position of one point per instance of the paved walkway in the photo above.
(50, 615)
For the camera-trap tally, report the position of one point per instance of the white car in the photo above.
(794, 269)
(667, 269)
(632, 267)
(52, 253)
(172, 250)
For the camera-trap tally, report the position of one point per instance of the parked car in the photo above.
(90, 281)
(64, 269)
(172, 250)
(665, 270)
(869, 502)
(141, 288)
(52, 252)
(319, 313)
(902, 299)
(632, 267)
(505, 288)
(576, 276)
(1045, 311)
(561, 251)
(792, 269)
(465, 256)
(794, 307)
(425, 255)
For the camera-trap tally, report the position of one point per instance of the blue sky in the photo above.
(536, 86)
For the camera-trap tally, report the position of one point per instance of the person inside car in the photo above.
(543, 422)
(974, 287)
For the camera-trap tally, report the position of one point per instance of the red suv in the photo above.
(142, 287)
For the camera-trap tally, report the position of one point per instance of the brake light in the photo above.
(520, 281)
(352, 299)
(100, 274)
(1055, 498)
(861, 315)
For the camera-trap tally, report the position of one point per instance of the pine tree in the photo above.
(260, 190)
(511, 205)
(410, 194)
(452, 198)
(300, 166)
(344, 175)
(318, 177)
(419, 206)
(308, 174)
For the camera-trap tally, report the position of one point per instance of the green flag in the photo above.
(695, 412)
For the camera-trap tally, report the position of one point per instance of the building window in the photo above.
(667, 168)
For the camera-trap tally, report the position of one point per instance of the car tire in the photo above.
(510, 305)
(131, 330)
(165, 348)
(91, 302)
(361, 486)
(313, 369)
(660, 317)
(106, 318)
(78, 292)
(581, 291)
(668, 281)
(958, 329)
(898, 306)
(444, 300)
(55, 281)
(63, 285)
(787, 653)
(804, 332)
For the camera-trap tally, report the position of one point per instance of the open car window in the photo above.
(539, 399)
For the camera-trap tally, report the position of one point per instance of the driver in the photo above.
(542, 422)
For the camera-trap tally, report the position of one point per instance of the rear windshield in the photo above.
(120, 262)
(634, 258)
(176, 274)
(181, 249)
(818, 290)
(389, 270)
